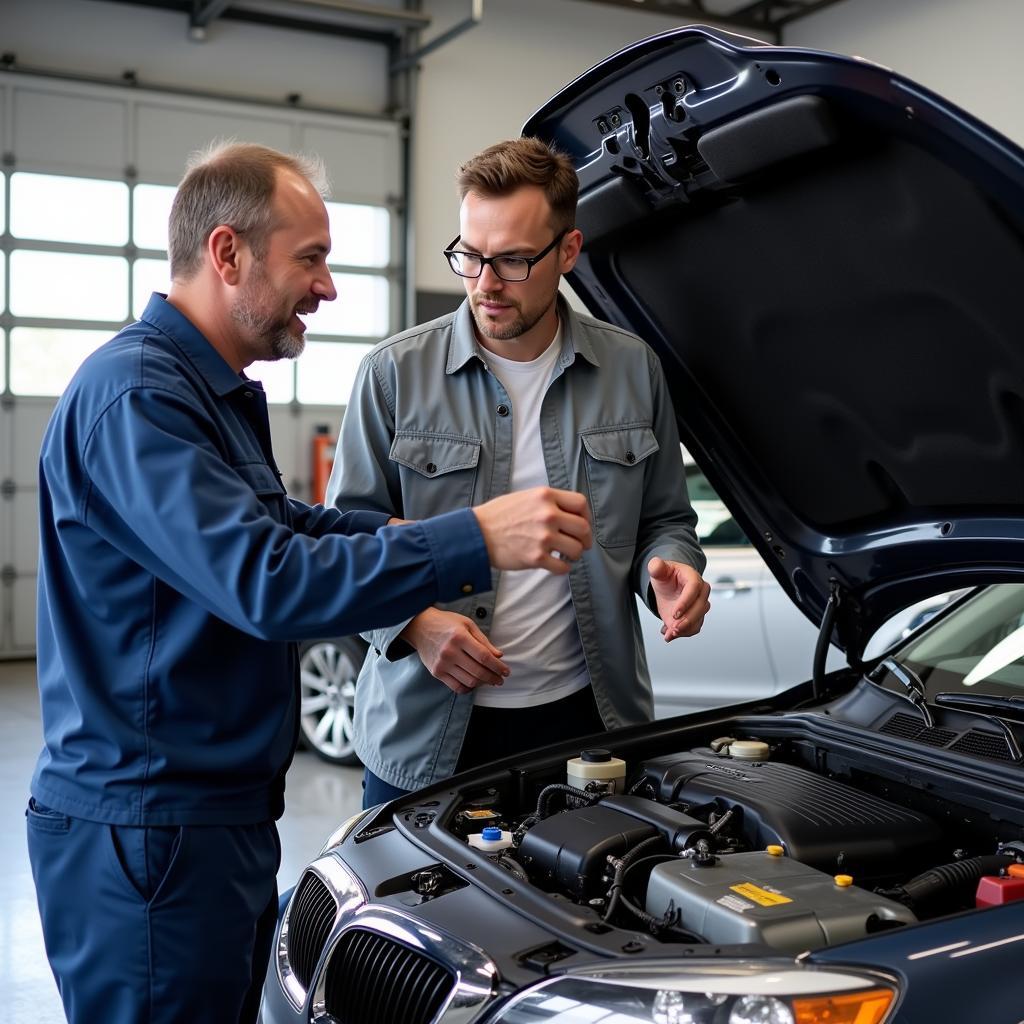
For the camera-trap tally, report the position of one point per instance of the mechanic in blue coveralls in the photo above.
(515, 390)
(174, 574)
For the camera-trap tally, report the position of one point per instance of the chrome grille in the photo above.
(310, 920)
(371, 979)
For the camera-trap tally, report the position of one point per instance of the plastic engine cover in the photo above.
(571, 849)
(820, 822)
(777, 901)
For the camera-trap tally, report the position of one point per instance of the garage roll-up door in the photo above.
(87, 173)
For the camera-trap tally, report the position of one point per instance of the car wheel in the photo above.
(328, 671)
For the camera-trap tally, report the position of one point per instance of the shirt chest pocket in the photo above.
(614, 458)
(267, 487)
(437, 472)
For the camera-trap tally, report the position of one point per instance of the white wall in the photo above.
(967, 52)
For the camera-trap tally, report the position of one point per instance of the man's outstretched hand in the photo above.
(681, 595)
(526, 529)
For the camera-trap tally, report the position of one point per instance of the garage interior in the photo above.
(111, 97)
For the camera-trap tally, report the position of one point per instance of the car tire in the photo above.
(328, 670)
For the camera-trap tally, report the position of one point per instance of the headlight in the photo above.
(709, 993)
(344, 830)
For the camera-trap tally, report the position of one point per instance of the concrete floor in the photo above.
(319, 797)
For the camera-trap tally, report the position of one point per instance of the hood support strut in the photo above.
(824, 634)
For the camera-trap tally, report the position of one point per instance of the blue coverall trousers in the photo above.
(159, 925)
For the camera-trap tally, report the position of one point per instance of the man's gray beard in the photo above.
(272, 337)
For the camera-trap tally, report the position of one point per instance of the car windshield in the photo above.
(978, 647)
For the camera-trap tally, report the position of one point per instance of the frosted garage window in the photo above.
(3, 291)
(150, 214)
(58, 209)
(148, 276)
(3, 206)
(277, 378)
(69, 286)
(327, 371)
(360, 235)
(361, 308)
(43, 360)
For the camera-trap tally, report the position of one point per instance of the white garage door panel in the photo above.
(24, 618)
(32, 416)
(53, 126)
(365, 166)
(61, 132)
(166, 135)
(25, 510)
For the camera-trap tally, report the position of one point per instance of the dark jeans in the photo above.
(494, 733)
(155, 925)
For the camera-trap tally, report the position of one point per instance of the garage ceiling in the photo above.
(383, 21)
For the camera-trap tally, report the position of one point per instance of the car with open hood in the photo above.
(828, 259)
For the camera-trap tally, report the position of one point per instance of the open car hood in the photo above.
(829, 261)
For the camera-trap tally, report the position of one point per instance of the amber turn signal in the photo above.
(869, 1007)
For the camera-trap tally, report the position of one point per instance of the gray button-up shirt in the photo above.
(428, 429)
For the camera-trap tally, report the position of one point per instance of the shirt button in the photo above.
(481, 612)
(502, 409)
(630, 458)
(467, 588)
(248, 394)
(430, 467)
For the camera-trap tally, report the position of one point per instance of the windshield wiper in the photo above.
(999, 710)
(911, 682)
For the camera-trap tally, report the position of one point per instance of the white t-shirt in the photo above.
(534, 620)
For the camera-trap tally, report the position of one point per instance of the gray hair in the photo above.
(230, 183)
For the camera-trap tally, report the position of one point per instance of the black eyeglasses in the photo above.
(508, 268)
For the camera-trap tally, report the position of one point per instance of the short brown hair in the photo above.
(506, 166)
(230, 183)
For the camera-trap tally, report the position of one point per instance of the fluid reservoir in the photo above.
(491, 840)
(596, 766)
(993, 891)
(749, 750)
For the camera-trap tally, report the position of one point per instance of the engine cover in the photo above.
(571, 849)
(820, 822)
(755, 897)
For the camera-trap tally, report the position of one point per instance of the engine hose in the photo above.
(513, 867)
(572, 792)
(544, 798)
(615, 890)
(949, 876)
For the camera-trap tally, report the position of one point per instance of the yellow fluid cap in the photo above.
(843, 880)
(775, 851)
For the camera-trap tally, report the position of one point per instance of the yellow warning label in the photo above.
(762, 897)
(479, 814)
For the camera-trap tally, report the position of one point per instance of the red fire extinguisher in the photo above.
(324, 446)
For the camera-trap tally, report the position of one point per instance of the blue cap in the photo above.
(491, 832)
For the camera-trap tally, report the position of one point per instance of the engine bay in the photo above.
(771, 841)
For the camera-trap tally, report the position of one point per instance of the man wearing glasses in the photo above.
(512, 391)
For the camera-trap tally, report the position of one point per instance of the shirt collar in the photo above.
(464, 346)
(200, 353)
